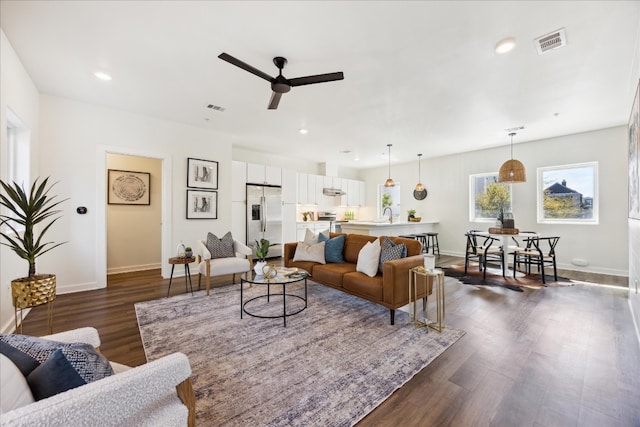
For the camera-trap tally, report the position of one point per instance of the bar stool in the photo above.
(432, 241)
(422, 237)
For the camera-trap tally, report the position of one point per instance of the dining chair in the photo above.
(537, 253)
(521, 242)
(489, 249)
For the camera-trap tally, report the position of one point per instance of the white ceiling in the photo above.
(423, 76)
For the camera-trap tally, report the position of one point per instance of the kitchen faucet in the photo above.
(390, 214)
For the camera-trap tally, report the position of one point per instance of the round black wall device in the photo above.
(81, 210)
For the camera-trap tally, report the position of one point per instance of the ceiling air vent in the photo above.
(215, 107)
(551, 41)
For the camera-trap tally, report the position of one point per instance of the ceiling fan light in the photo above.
(512, 172)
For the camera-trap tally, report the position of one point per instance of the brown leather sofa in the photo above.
(389, 289)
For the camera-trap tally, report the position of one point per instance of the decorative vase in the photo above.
(258, 267)
(181, 250)
(188, 254)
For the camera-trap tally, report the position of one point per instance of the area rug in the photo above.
(494, 278)
(330, 366)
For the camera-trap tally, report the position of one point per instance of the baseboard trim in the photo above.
(133, 268)
(78, 287)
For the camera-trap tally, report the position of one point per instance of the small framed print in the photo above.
(202, 204)
(128, 187)
(202, 174)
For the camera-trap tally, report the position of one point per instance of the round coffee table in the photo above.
(279, 280)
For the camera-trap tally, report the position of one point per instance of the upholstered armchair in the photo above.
(213, 267)
(158, 393)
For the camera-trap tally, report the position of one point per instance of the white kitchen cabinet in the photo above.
(319, 187)
(238, 181)
(362, 193)
(289, 186)
(302, 189)
(261, 174)
(353, 192)
(311, 190)
(239, 221)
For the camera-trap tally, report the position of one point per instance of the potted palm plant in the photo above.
(262, 250)
(25, 215)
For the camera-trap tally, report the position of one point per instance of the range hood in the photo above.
(333, 192)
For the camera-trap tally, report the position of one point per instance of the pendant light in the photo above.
(512, 171)
(389, 182)
(419, 186)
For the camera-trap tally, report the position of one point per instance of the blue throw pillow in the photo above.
(53, 376)
(333, 248)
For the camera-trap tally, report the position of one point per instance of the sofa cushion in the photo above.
(220, 248)
(390, 251)
(305, 252)
(84, 359)
(332, 274)
(364, 286)
(353, 244)
(333, 248)
(369, 258)
(12, 379)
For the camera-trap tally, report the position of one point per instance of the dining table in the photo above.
(505, 235)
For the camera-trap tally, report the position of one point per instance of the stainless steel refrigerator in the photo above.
(264, 217)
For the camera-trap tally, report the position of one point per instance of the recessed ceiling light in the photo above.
(505, 45)
(102, 76)
(303, 131)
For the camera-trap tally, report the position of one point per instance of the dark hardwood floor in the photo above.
(557, 356)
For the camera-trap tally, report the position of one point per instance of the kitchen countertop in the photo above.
(387, 224)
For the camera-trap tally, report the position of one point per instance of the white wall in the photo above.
(128, 225)
(604, 246)
(76, 137)
(18, 93)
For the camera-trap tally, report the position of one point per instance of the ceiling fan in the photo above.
(281, 84)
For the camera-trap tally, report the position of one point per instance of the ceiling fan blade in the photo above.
(235, 61)
(275, 100)
(319, 78)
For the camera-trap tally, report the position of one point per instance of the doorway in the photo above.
(132, 219)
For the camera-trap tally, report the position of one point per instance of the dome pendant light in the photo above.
(419, 186)
(512, 171)
(389, 182)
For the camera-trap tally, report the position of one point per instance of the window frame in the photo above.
(557, 169)
(473, 193)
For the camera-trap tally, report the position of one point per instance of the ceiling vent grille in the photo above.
(215, 107)
(551, 41)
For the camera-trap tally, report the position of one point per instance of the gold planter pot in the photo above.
(33, 291)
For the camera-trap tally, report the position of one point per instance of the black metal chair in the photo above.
(536, 253)
(489, 250)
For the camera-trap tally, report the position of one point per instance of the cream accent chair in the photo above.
(241, 263)
(158, 393)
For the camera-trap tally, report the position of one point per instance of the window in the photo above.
(388, 197)
(18, 152)
(487, 196)
(568, 194)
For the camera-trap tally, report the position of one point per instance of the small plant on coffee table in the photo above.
(262, 248)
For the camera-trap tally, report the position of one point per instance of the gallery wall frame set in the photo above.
(202, 180)
(128, 187)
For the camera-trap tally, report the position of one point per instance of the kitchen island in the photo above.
(379, 228)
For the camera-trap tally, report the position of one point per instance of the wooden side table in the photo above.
(187, 274)
(438, 281)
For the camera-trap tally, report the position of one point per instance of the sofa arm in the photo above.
(83, 335)
(202, 251)
(142, 396)
(395, 280)
(289, 253)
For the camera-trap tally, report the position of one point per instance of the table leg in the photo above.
(187, 279)
(241, 287)
(170, 279)
(284, 304)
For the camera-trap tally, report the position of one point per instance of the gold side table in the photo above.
(438, 281)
